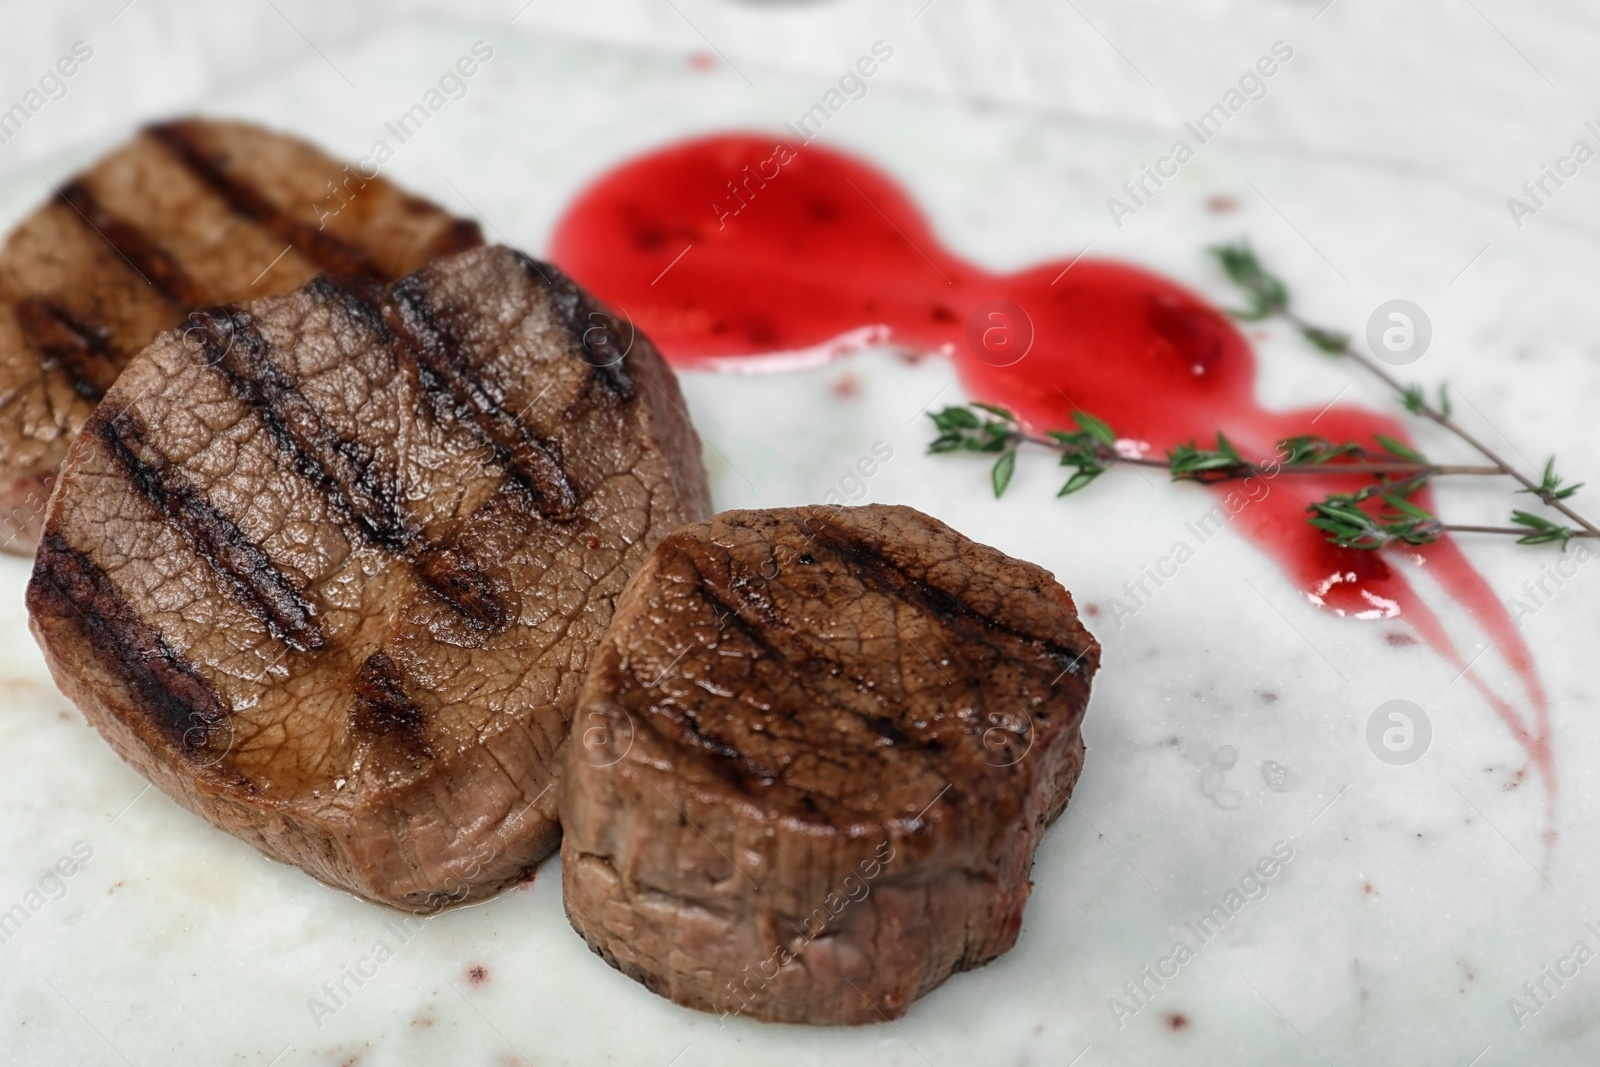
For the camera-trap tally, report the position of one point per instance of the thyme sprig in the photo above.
(1378, 513)
(1268, 297)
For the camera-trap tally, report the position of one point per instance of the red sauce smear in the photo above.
(739, 245)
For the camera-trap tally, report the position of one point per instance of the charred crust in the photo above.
(459, 582)
(318, 245)
(79, 350)
(736, 590)
(153, 263)
(532, 464)
(69, 587)
(344, 471)
(460, 236)
(260, 587)
(735, 765)
(875, 569)
(595, 332)
(360, 298)
(382, 708)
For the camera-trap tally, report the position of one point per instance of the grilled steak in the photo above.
(813, 758)
(186, 214)
(328, 567)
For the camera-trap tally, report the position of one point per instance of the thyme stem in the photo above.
(1246, 470)
(1432, 413)
(1378, 514)
(1518, 531)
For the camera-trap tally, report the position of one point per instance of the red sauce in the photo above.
(737, 246)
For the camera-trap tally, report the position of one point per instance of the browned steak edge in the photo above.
(321, 247)
(71, 587)
(460, 236)
(152, 262)
(591, 325)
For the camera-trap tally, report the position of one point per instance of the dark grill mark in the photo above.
(382, 708)
(735, 765)
(874, 570)
(739, 597)
(751, 769)
(599, 337)
(148, 258)
(78, 350)
(808, 673)
(264, 590)
(888, 730)
(459, 236)
(346, 472)
(458, 582)
(67, 585)
(321, 247)
(362, 299)
(531, 463)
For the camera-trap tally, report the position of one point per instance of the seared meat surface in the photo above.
(187, 214)
(813, 758)
(328, 567)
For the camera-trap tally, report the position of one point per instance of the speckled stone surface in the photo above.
(1227, 729)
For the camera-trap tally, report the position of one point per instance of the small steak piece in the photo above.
(813, 758)
(187, 214)
(328, 567)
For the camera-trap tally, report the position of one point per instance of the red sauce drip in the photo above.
(736, 245)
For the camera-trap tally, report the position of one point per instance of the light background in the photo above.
(1421, 898)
